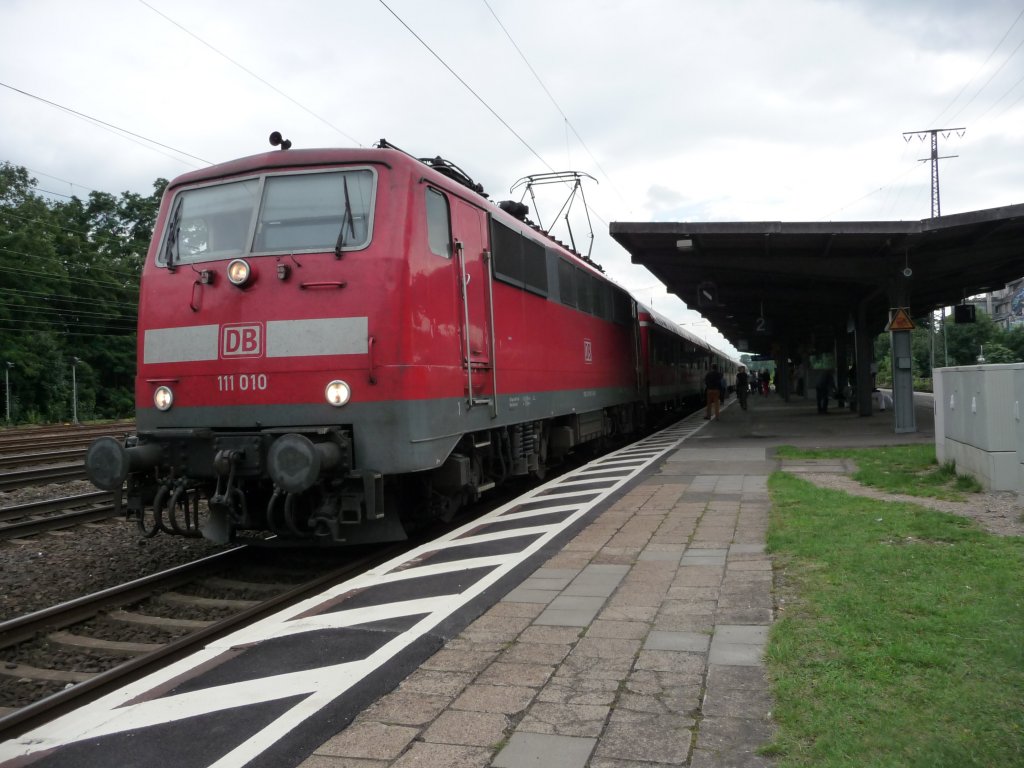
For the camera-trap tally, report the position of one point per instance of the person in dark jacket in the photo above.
(824, 388)
(713, 384)
(742, 386)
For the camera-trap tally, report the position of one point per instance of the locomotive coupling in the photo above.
(108, 463)
(295, 462)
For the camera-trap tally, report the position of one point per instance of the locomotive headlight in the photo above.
(163, 398)
(239, 272)
(338, 393)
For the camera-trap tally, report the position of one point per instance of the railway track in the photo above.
(60, 473)
(43, 455)
(54, 514)
(63, 455)
(12, 440)
(59, 658)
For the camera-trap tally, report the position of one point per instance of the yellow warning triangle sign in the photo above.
(900, 321)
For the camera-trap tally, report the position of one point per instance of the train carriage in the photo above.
(323, 333)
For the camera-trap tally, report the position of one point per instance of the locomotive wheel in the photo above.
(541, 472)
(445, 506)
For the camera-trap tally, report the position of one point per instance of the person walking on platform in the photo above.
(765, 381)
(824, 388)
(742, 386)
(713, 384)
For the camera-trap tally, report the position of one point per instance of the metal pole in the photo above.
(934, 133)
(7, 389)
(945, 346)
(74, 389)
(931, 333)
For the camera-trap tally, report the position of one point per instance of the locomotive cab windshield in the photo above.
(284, 213)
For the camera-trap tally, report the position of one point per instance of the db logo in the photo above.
(241, 340)
(588, 352)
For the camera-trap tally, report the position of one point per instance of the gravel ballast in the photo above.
(51, 568)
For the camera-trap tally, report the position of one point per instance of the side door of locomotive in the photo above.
(472, 255)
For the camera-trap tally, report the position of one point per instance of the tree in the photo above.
(69, 276)
(998, 353)
(957, 344)
(965, 340)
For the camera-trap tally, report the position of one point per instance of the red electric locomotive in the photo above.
(325, 333)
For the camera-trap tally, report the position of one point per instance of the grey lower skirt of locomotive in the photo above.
(299, 487)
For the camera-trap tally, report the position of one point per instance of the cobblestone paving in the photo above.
(638, 645)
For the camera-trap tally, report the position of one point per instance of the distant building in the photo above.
(1005, 306)
(1008, 305)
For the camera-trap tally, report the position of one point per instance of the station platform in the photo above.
(639, 643)
(613, 617)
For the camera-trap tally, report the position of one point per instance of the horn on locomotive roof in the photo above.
(277, 140)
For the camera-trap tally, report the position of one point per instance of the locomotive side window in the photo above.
(439, 231)
(535, 268)
(507, 248)
(315, 212)
(566, 283)
(584, 291)
(601, 299)
(622, 312)
(519, 260)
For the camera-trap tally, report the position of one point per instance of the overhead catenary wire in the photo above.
(71, 184)
(90, 237)
(568, 123)
(47, 303)
(980, 69)
(51, 192)
(97, 121)
(248, 71)
(115, 273)
(61, 328)
(467, 86)
(70, 300)
(890, 202)
(116, 323)
(885, 187)
(56, 276)
(986, 84)
(995, 103)
(480, 99)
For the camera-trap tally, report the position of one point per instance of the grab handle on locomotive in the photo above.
(370, 342)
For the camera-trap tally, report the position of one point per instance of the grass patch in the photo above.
(907, 469)
(900, 640)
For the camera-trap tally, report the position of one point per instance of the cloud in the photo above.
(737, 110)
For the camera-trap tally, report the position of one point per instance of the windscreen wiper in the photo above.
(346, 218)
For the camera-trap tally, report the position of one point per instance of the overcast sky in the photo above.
(733, 110)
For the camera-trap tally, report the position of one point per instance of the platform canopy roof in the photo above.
(764, 284)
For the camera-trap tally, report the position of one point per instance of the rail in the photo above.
(17, 630)
(39, 516)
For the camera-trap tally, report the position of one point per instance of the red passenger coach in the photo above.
(325, 332)
(675, 362)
